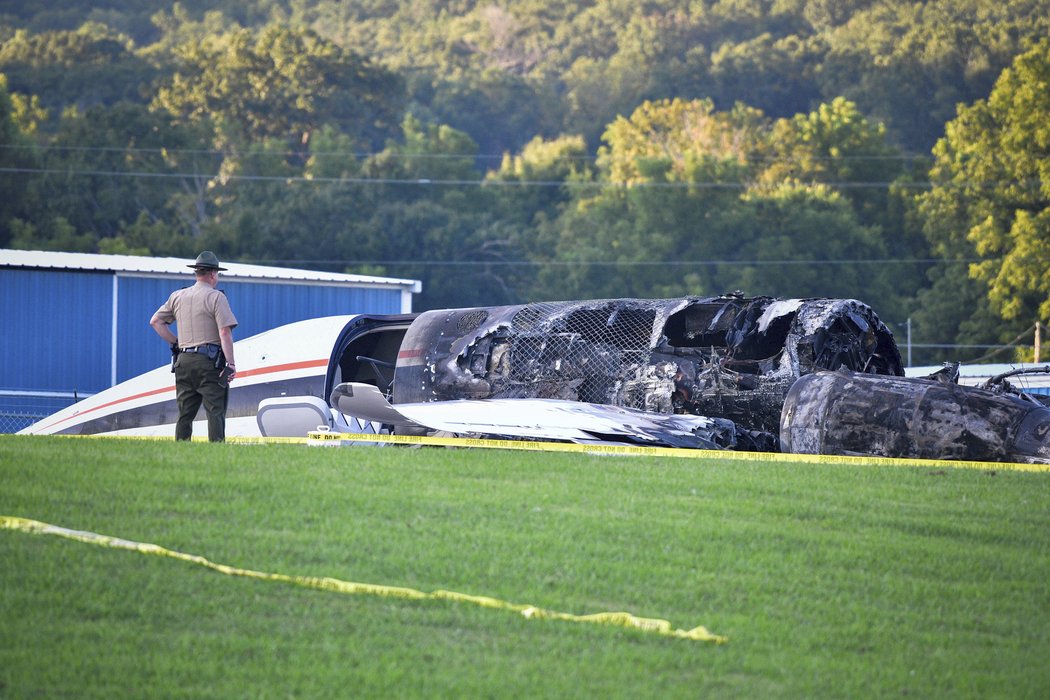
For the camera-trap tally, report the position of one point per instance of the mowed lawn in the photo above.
(829, 580)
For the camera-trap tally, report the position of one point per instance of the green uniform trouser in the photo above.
(196, 381)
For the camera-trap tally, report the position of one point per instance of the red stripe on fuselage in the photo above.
(306, 364)
(411, 358)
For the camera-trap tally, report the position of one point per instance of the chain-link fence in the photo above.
(21, 409)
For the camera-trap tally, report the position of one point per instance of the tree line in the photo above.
(895, 152)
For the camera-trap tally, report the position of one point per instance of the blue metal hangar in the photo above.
(74, 324)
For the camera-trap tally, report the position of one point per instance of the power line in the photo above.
(979, 346)
(456, 182)
(1009, 346)
(613, 263)
(331, 180)
(165, 150)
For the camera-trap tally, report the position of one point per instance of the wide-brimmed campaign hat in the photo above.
(207, 261)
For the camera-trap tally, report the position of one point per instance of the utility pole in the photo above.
(1038, 340)
(909, 342)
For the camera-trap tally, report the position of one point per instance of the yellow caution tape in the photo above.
(529, 612)
(321, 437)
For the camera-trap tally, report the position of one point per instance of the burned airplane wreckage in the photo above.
(817, 376)
(845, 413)
(733, 373)
(725, 357)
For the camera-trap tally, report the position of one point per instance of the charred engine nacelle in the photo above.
(843, 413)
(728, 357)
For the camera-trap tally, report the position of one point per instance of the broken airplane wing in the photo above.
(572, 421)
(537, 419)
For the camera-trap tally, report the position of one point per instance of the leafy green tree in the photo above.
(26, 111)
(671, 175)
(700, 201)
(297, 97)
(106, 167)
(1017, 225)
(416, 209)
(332, 155)
(836, 146)
(9, 131)
(777, 75)
(17, 159)
(801, 241)
(447, 244)
(280, 83)
(534, 186)
(990, 203)
(433, 217)
(952, 318)
(150, 235)
(516, 210)
(428, 152)
(289, 222)
(499, 109)
(175, 27)
(505, 72)
(50, 233)
(907, 64)
(87, 67)
(670, 137)
(828, 14)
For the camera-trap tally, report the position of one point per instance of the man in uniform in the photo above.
(204, 364)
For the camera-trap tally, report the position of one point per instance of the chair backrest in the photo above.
(293, 416)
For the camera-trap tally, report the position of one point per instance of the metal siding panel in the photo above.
(139, 349)
(57, 330)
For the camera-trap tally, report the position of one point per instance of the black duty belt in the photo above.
(210, 349)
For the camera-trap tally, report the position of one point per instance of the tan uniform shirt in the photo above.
(199, 311)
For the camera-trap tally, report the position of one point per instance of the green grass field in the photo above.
(828, 580)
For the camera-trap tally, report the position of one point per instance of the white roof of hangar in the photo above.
(178, 267)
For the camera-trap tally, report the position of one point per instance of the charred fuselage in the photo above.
(845, 413)
(728, 357)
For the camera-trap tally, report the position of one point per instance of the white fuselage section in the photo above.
(267, 363)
